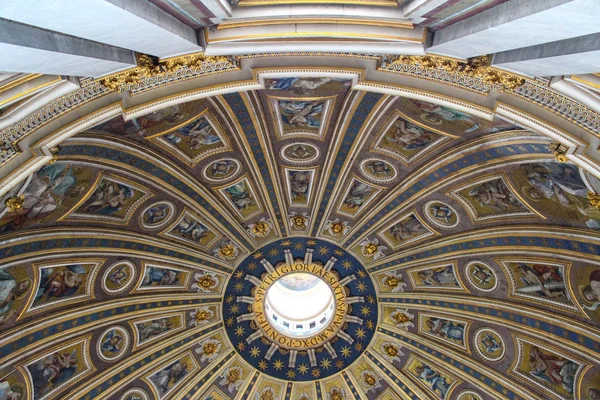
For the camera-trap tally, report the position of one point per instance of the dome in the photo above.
(310, 225)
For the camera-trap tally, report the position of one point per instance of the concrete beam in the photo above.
(516, 24)
(33, 50)
(579, 55)
(131, 24)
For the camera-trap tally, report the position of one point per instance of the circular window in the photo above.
(299, 304)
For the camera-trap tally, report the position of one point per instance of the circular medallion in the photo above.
(441, 214)
(469, 395)
(135, 394)
(113, 344)
(489, 344)
(221, 170)
(300, 153)
(157, 215)
(118, 277)
(378, 170)
(300, 305)
(481, 276)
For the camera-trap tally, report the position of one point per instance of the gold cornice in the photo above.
(384, 3)
(150, 67)
(477, 67)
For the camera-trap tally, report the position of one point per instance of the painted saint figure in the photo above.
(301, 113)
(543, 280)
(446, 329)
(52, 371)
(153, 328)
(495, 195)
(443, 276)
(10, 290)
(410, 227)
(552, 368)
(358, 195)
(112, 342)
(168, 377)
(437, 382)
(156, 276)
(59, 282)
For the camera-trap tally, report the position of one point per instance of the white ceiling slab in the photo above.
(516, 24)
(131, 24)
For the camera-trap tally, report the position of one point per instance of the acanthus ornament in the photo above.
(559, 151)
(150, 68)
(594, 200)
(476, 69)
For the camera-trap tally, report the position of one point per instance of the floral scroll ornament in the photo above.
(227, 251)
(299, 222)
(391, 351)
(337, 227)
(402, 318)
(261, 228)
(205, 282)
(201, 316)
(208, 349)
(372, 249)
(394, 281)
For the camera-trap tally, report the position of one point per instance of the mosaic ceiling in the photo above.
(463, 255)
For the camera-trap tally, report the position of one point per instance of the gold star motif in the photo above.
(365, 310)
(325, 363)
(278, 364)
(360, 333)
(370, 324)
(361, 287)
(262, 364)
(339, 364)
(239, 330)
(316, 373)
(239, 274)
(229, 321)
(347, 264)
(323, 250)
(251, 266)
(241, 346)
(311, 242)
(338, 252)
(258, 255)
(274, 252)
(238, 286)
(346, 351)
(229, 299)
(303, 368)
(286, 243)
(291, 374)
(361, 273)
(371, 299)
(298, 246)
(255, 352)
(358, 346)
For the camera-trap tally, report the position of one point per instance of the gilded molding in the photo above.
(477, 73)
(152, 72)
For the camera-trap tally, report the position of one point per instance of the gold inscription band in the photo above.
(319, 338)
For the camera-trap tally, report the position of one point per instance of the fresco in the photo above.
(587, 283)
(113, 344)
(489, 344)
(171, 376)
(358, 195)
(241, 197)
(451, 331)
(53, 371)
(118, 277)
(546, 368)
(162, 277)
(61, 283)
(378, 170)
(437, 382)
(307, 116)
(408, 229)
(14, 287)
(192, 229)
(299, 153)
(194, 141)
(157, 215)
(441, 214)
(556, 190)
(540, 281)
(149, 330)
(439, 277)
(305, 86)
(491, 198)
(112, 199)
(481, 276)
(300, 184)
(52, 190)
(221, 170)
(406, 139)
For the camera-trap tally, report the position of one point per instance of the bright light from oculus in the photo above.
(299, 304)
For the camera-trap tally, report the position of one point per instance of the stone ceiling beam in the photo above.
(131, 24)
(320, 10)
(30, 49)
(516, 24)
(579, 55)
